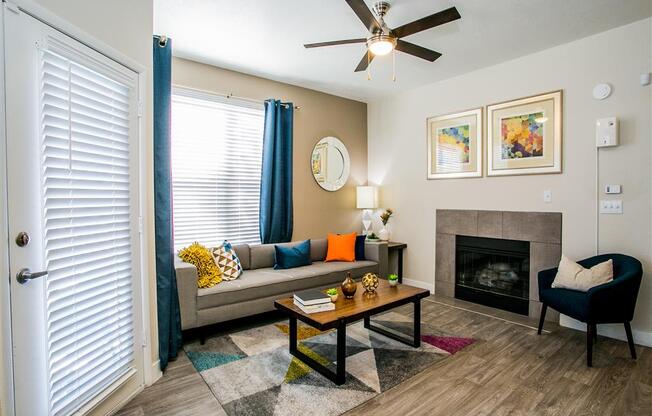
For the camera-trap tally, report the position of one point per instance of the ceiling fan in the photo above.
(384, 40)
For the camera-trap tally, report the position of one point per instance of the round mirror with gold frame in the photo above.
(330, 163)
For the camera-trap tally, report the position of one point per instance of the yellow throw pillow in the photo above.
(208, 274)
(571, 275)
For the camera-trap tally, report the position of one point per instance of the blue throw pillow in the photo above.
(359, 247)
(295, 256)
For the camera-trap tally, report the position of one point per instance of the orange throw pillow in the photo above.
(341, 247)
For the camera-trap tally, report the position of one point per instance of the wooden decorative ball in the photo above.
(370, 282)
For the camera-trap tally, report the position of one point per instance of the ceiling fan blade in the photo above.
(364, 14)
(416, 50)
(365, 61)
(334, 42)
(428, 22)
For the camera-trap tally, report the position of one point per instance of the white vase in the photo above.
(383, 234)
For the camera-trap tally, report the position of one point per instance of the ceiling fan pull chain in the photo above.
(368, 66)
(394, 65)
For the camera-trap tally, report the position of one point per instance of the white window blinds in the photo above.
(85, 158)
(217, 146)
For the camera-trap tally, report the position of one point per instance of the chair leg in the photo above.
(595, 334)
(630, 340)
(542, 317)
(589, 345)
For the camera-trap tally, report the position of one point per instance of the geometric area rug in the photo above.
(252, 372)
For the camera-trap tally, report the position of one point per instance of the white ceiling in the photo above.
(266, 37)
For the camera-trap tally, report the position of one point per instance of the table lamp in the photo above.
(367, 200)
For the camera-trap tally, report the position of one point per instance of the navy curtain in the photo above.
(276, 183)
(169, 318)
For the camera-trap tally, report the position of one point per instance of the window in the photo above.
(217, 147)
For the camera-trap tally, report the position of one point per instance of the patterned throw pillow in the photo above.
(227, 261)
(208, 274)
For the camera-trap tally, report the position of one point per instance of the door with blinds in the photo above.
(72, 179)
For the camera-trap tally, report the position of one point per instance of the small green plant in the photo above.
(331, 292)
(392, 276)
(372, 236)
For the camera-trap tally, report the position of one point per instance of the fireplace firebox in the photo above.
(493, 272)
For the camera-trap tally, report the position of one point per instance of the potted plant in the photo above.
(384, 217)
(372, 237)
(392, 279)
(332, 292)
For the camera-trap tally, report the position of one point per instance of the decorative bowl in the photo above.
(370, 282)
(393, 282)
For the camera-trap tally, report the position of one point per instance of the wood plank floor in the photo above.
(510, 370)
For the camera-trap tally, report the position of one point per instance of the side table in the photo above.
(398, 247)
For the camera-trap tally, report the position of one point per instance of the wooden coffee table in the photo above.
(347, 311)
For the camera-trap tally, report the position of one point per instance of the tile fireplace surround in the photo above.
(541, 229)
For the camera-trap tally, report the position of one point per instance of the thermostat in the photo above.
(606, 132)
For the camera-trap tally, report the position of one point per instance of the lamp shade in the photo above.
(367, 197)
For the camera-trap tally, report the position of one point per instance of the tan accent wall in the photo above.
(316, 211)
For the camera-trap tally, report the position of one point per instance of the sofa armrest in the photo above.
(187, 287)
(377, 251)
(545, 278)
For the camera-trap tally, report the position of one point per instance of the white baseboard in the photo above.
(615, 331)
(419, 283)
(155, 373)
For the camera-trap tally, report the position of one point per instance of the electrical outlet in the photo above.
(547, 196)
(611, 206)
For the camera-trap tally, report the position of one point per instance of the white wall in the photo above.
(397, 152)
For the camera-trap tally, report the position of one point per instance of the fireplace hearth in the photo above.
(493, 272)
(501, 270)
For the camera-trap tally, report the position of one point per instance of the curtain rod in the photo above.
(253, 100)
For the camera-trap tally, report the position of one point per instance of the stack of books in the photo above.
(312, 301)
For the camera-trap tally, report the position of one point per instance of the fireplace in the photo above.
(493, 272)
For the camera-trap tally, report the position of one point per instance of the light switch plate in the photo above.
(612, 189)
(611, 206)
(547, 196)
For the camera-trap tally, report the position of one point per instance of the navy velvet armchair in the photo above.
(610, 303)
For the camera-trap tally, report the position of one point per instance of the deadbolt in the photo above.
(22, 239)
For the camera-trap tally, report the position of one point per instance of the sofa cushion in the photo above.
(359, 247)
(242, 251)
(341, 247)
(318, 247)
(291, 257)
(259, 283)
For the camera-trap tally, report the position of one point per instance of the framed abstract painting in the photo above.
(524, 136)
(455, 145)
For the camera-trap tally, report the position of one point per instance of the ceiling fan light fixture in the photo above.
(381, 44)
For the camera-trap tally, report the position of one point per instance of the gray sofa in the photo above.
(259, 285)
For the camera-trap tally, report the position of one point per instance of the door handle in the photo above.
(25, 275)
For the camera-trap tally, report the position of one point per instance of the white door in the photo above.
(72, 152)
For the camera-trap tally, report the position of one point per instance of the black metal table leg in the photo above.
(414, 341)
(417, 323)
(340, 375)
(400, 266)
(293, 334)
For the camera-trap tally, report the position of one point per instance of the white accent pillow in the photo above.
(571, 275)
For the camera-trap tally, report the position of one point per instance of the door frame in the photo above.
(144, 302)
